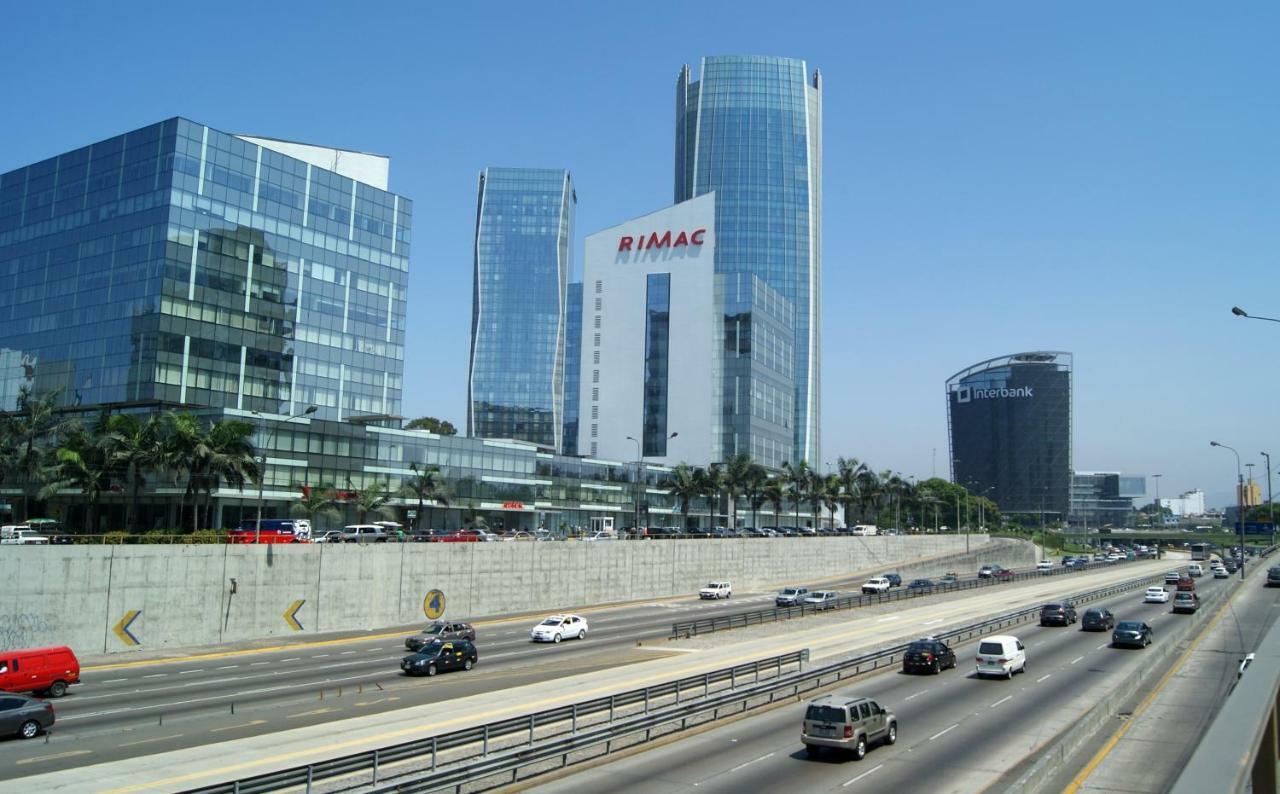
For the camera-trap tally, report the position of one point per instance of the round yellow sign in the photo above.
(433, 605)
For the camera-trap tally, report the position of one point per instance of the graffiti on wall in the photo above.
(24, 630)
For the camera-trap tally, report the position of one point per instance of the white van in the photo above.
(1195, 570)
(1001, 655)
(864, 530)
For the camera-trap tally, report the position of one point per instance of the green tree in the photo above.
(133, 448)
(183, 444)
(686, 484)
(712, 481)
(32, 430)
(740, 473)
(228, 456)
(82, 464)
(427, 485)
(797, 478)
(315, 504)
(441, 427)
(753, 490)
(774, 492)
(373, 501)
(850, 473)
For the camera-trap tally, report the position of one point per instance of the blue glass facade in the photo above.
(177, 264)
(750, 131)
(657, 346)
(572, 367)
(524, 234)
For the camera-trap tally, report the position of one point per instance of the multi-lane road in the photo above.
(957, 733)
(131, 708)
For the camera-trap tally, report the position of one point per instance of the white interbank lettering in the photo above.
(992, 394)
(665, 240)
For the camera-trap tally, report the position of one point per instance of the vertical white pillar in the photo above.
(186, 360)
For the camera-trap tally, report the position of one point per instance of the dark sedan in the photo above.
(1060, 613)
(441, 630)
(1097, 619)
(895, 580)
(441, 656)
(928, 656)
(1131, 632)
(24, 716)
(921, 585)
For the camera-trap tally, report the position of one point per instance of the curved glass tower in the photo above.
(524, 230)
(750, 130)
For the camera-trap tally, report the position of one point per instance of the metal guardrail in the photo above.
(565, 734)
(689, 628)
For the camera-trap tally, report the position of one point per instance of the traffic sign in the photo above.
(433, 605)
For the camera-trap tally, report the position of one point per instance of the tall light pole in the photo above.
(1159, 513)
(1237, 311)
(640, 485)
(262, 474)
(1271, 503)
(1239, 499)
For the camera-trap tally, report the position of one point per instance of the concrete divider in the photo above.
(107, 599)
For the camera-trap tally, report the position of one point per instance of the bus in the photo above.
(1200, 551)
(274, 530)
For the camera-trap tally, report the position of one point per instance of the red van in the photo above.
(39, 670)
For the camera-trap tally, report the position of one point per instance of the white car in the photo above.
(1044, 565)
(559, 627)
(716, 591)
(822, 599)
(1156, 595)
(877, 585)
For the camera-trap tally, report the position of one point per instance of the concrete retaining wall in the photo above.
(107, 599)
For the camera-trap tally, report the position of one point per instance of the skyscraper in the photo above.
(524, 238)
(179, 265)
(572, 368)
(750, 130)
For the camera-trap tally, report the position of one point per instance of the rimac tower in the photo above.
(750, 131)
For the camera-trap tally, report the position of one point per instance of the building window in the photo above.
(595, 449)
(597, 321)
(595, 395)
(598, 302)
(595, 376)
(599, 287)
(657, 333)
(595, 354)
(595, 430)
(595, 412)
(597, 340)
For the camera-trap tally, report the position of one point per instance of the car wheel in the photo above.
(892, 735)
(556, 639)
(582, 634)
(937, 668)
(29, 729)
(467, 664)
(811, 750)
(1009, 674)
(431, 669)
(860, 749)
(58, 689)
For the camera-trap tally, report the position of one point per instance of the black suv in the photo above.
(441, 630)
(1061, 613)
(1097, 619)
(1273, 576)
(895, 579)
(441, 656)
(928, 655)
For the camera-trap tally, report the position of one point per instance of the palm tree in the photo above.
(686, 484)
(132, 447)
(712, 481)
(870, 489)
(81, 463)
(184, 445)
(372, 501)
(753, 489)
(230, 457)
(316, 503)
(31, 427)
(851, 471)
(797, 479)
(739, 475)
(426, 486)
(823, 492)
(774, 493)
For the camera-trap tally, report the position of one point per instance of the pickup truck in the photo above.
(877, 585)
(21, 536)
(716, 590)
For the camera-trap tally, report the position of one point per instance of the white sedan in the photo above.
(1044, 565)
(1156, 595)
(559, 627)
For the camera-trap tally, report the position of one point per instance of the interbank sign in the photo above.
(966, 394)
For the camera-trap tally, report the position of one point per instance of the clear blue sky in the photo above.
(1095, 177)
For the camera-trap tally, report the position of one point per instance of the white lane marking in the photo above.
(228, 667)
(115, 680)
(1078, 658)
(157, 675)
(883, 620)
(294, 659)
(319, 656)
(184, 672)
(916, 695)
(944, 731)
(1100, 647)
(1043, 677)
(860, 777)
(258, 664)
(1001, 700)
(931, 622)
(752, 761)
(346, 653)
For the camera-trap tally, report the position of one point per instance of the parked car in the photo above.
(822, 599)
(1156, 595)
(878, 584)
(895, 580)
(364, 533)
(600, 535)
(21, 535)
(40, 670)
(1001, 655)
(846, 723)
(1097, 619)
(441, 630)
(24, 716)
(440, 656)
(928, 655)
(466, 535)
(1131, 632)
(559, 627)
(716, 591)
(1059, 613)
(921, 585)
(1186, 603)
(790, 596)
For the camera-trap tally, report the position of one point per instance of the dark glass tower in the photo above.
(750, 130)
(572, 368)
(180, 265)
(1010, 432)
(524, 234)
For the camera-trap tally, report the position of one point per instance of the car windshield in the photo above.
(431, 648)
(790, 591)
(991, 647)
(1052, 608)
(1128, 625)
(712, 585)
(1093, 613)
(825, 714)
(433, 629)
(920, 647)
(550, 622)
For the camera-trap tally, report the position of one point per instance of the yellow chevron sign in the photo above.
(121, 629)
(291, 614)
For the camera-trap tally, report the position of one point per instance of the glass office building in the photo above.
(176, 265)
(1104, 499)
(1009, 422)
(750, 130)
(572, 367)
(524, 237)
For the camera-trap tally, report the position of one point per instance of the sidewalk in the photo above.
(859, 633)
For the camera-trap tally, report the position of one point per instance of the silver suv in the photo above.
(847, 723)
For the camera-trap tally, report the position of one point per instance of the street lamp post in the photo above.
(1159, 513)
(262, 475)
(1239, 499)
(1237, 311)
(640, 485)
(1271, 503)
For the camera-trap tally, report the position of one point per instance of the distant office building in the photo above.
(524, 239)
(1249, 494)
(1189, 503)
(681, 363)
(572, 367)
(176, 265)
(1009, 422)
(750, 131)
(1104, 498)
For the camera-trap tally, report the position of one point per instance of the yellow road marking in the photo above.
(1106, 749)
(67, 754)
(235, 727)
(312, 713)
(616, 685)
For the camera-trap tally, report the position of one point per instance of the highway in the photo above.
(957, 733)
(133, 708)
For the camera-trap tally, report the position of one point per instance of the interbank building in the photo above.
(177, 267)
